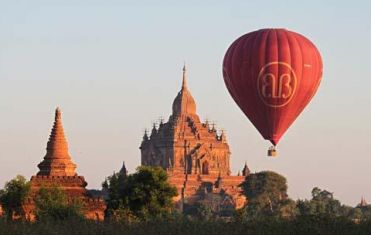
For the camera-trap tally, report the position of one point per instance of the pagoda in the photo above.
(57, 169)
(195, 155)
(363, 203)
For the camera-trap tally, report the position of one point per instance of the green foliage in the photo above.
(148, 194)
(365, 210)
(13, 196)
(356, 214)
(287, 209)
(143, 195)
(322, 203)
(114, 185)
(210, 207)
(265, 186)
(201, 210)
(267, 196)
(52, 204)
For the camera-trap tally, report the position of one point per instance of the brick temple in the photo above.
(57, 169)
(195, 155)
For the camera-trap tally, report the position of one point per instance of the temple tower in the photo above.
(195, 155)
(57, 161)
(57, 169)
(184, 144)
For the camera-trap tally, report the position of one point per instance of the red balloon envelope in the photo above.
(272, 74)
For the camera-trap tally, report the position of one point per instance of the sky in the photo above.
(114, 68)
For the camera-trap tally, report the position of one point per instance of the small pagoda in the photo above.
(57, 169)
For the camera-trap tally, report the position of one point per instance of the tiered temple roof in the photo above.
(178, 144)
(195, 155)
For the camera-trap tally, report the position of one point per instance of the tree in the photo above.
(52, 203)
(366, 212)
(201, 210)
(114, 186)
(265, 185)
(144, 194)
(266, 192)
(288, 209)
(13, 195)
(322, 203)
(356, 214)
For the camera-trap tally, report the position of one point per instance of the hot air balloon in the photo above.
(272, 74)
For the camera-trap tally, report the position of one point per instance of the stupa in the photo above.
(57, 169)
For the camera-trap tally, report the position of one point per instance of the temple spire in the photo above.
(57, 146)
(57, 161)
(123, 171)
(363, 202)
(184, 102)
(184, 81)
(245, 170)
(145, 136)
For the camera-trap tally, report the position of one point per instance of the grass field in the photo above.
(308, 225)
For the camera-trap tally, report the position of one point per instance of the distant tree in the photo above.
(52, 203)
(145, 194)
(13, 195)
(356, 214)
(114, 186)
(366, 212)
(267, 186)
(287, 209)
(322, 203)
(266, 192)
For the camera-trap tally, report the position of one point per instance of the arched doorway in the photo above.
(205, 168)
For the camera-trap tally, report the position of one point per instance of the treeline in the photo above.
(141, 203)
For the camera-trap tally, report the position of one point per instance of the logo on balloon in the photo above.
(276, 84)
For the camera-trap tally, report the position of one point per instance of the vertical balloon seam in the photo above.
(306, 98)
(291, 47)
(255, 35)
(279, 59)
(260, 34)
(292, 59)
(226, 73)
(231, 81)
(266, 108)
(278, 71)
(298, 42)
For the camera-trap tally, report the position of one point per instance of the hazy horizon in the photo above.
(115, 67)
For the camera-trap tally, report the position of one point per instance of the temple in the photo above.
(195, 155)
(57, 169)
(363, 203)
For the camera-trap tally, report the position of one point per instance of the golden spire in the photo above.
(57, 161)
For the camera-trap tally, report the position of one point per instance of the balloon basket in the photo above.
(272, 152)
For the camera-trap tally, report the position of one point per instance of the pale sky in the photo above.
(114, 67)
